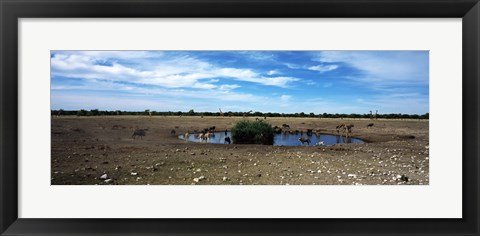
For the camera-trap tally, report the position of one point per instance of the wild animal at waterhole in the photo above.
(304, 140)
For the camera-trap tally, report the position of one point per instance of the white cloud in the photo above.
(178, 72)
(259, 56)
(228, 86)
(292, 66)
(383, 68)
(323, 68)
(285, 98)
(273, 72)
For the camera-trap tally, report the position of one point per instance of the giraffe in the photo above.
(376, 114)
(246, 113)
(371, 115)
(221, 113)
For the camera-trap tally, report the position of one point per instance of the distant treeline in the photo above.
(96, 112)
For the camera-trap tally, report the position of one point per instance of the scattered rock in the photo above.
(104, 177)
(134, 173)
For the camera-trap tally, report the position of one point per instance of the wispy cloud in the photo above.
(383, 67)
(176, 72)
(323, 68)
(273, 72)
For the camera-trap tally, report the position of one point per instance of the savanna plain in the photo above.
(101, 151)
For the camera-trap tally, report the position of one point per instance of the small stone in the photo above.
(108, 181)
(104, 177)
(134, 173)
(225, 178)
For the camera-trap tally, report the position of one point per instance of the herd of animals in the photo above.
(207, 133)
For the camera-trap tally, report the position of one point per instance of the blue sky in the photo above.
(265, 81)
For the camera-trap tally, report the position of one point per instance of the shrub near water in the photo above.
(252, 132)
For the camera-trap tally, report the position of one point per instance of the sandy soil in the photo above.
(84, 149)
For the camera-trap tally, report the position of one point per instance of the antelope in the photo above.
(304, 140)
(138, 132)
(227, 140)
(347, 128)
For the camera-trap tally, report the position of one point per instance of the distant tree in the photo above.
(94, 112)
(311, 114)
(82, 112)
(191, 112)
(257, 113)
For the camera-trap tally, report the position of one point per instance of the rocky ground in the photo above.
(100, 150)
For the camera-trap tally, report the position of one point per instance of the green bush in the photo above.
(252, 132)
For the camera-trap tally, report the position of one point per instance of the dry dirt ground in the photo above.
(100, 150)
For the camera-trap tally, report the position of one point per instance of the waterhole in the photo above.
(280, 139)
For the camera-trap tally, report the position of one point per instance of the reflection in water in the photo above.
(283, 139)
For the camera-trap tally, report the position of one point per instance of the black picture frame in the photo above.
(12, 10)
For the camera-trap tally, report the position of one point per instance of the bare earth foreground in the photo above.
(86, 148)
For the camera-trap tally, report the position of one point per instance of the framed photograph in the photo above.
(239, 117)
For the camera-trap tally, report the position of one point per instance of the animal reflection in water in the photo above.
(343, 139)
